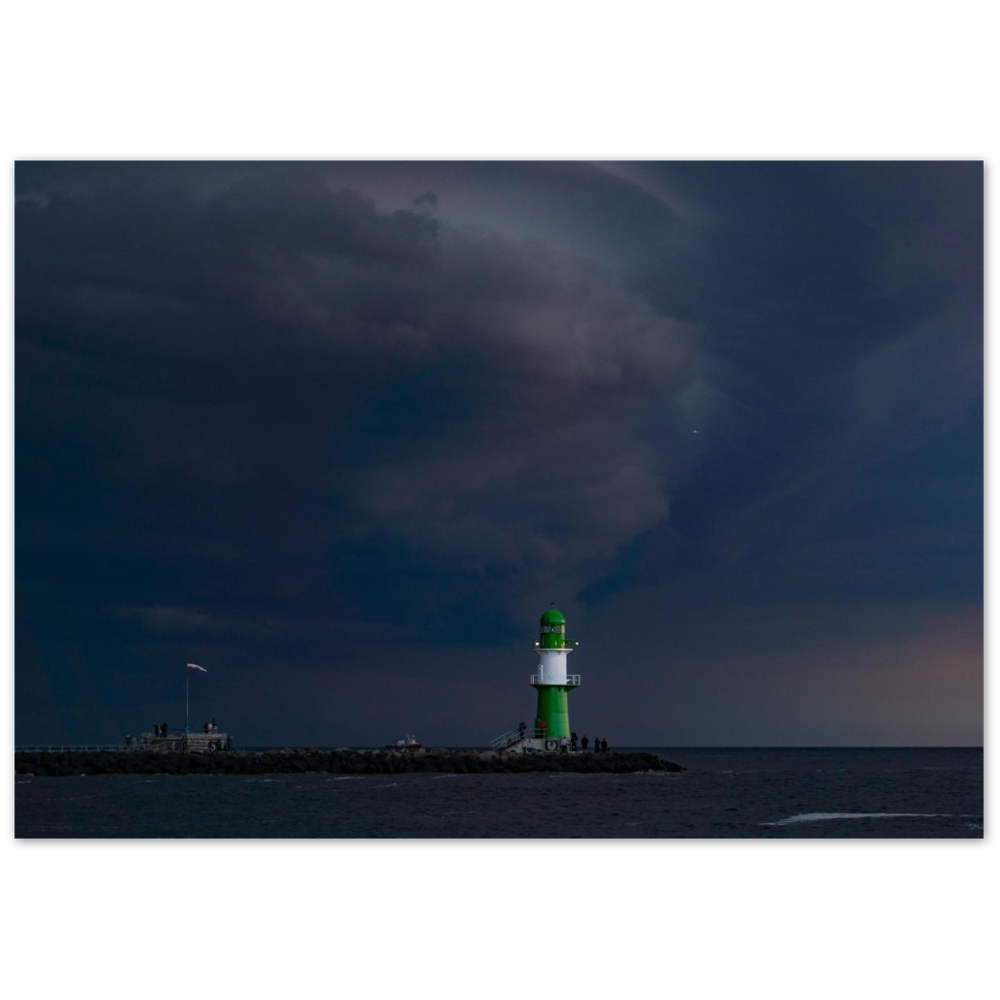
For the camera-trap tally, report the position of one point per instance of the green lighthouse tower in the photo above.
(551, 681)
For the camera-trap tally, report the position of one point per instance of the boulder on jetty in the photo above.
(343, 761)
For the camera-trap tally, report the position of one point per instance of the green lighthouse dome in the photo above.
(553, 630)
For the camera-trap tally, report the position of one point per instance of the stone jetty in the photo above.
(343, 761)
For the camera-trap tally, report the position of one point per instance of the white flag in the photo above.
(194, 666)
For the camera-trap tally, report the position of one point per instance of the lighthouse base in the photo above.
(553, 709)
(549, 745)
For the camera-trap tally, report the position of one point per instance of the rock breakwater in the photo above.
(343, 761)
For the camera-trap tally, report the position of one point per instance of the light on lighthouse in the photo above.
(551, 681)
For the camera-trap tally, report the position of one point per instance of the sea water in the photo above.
(724, 793)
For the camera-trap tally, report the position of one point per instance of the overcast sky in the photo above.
(341, 432)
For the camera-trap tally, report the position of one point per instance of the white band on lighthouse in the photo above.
(552, 666)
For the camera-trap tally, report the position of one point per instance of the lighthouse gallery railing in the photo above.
(572, 680)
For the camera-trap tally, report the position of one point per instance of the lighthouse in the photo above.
(551, 681)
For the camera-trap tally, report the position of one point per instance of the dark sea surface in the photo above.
(725, 793)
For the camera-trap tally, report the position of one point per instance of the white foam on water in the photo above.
(819, 817)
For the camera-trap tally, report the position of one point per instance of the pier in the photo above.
(143, 760)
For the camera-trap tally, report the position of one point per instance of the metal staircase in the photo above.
(511, 738)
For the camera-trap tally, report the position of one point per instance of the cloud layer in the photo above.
(270, 414)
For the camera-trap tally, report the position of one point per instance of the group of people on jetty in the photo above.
(213, 745)
(569, 743)
(161, 730)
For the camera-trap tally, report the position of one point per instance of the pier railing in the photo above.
(75, 747)
(146, 741)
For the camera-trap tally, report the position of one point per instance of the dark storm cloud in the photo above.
(844, 350)
(335, 427)
(838, 396)
(278, 390)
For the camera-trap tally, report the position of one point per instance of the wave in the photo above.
(819, 817)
